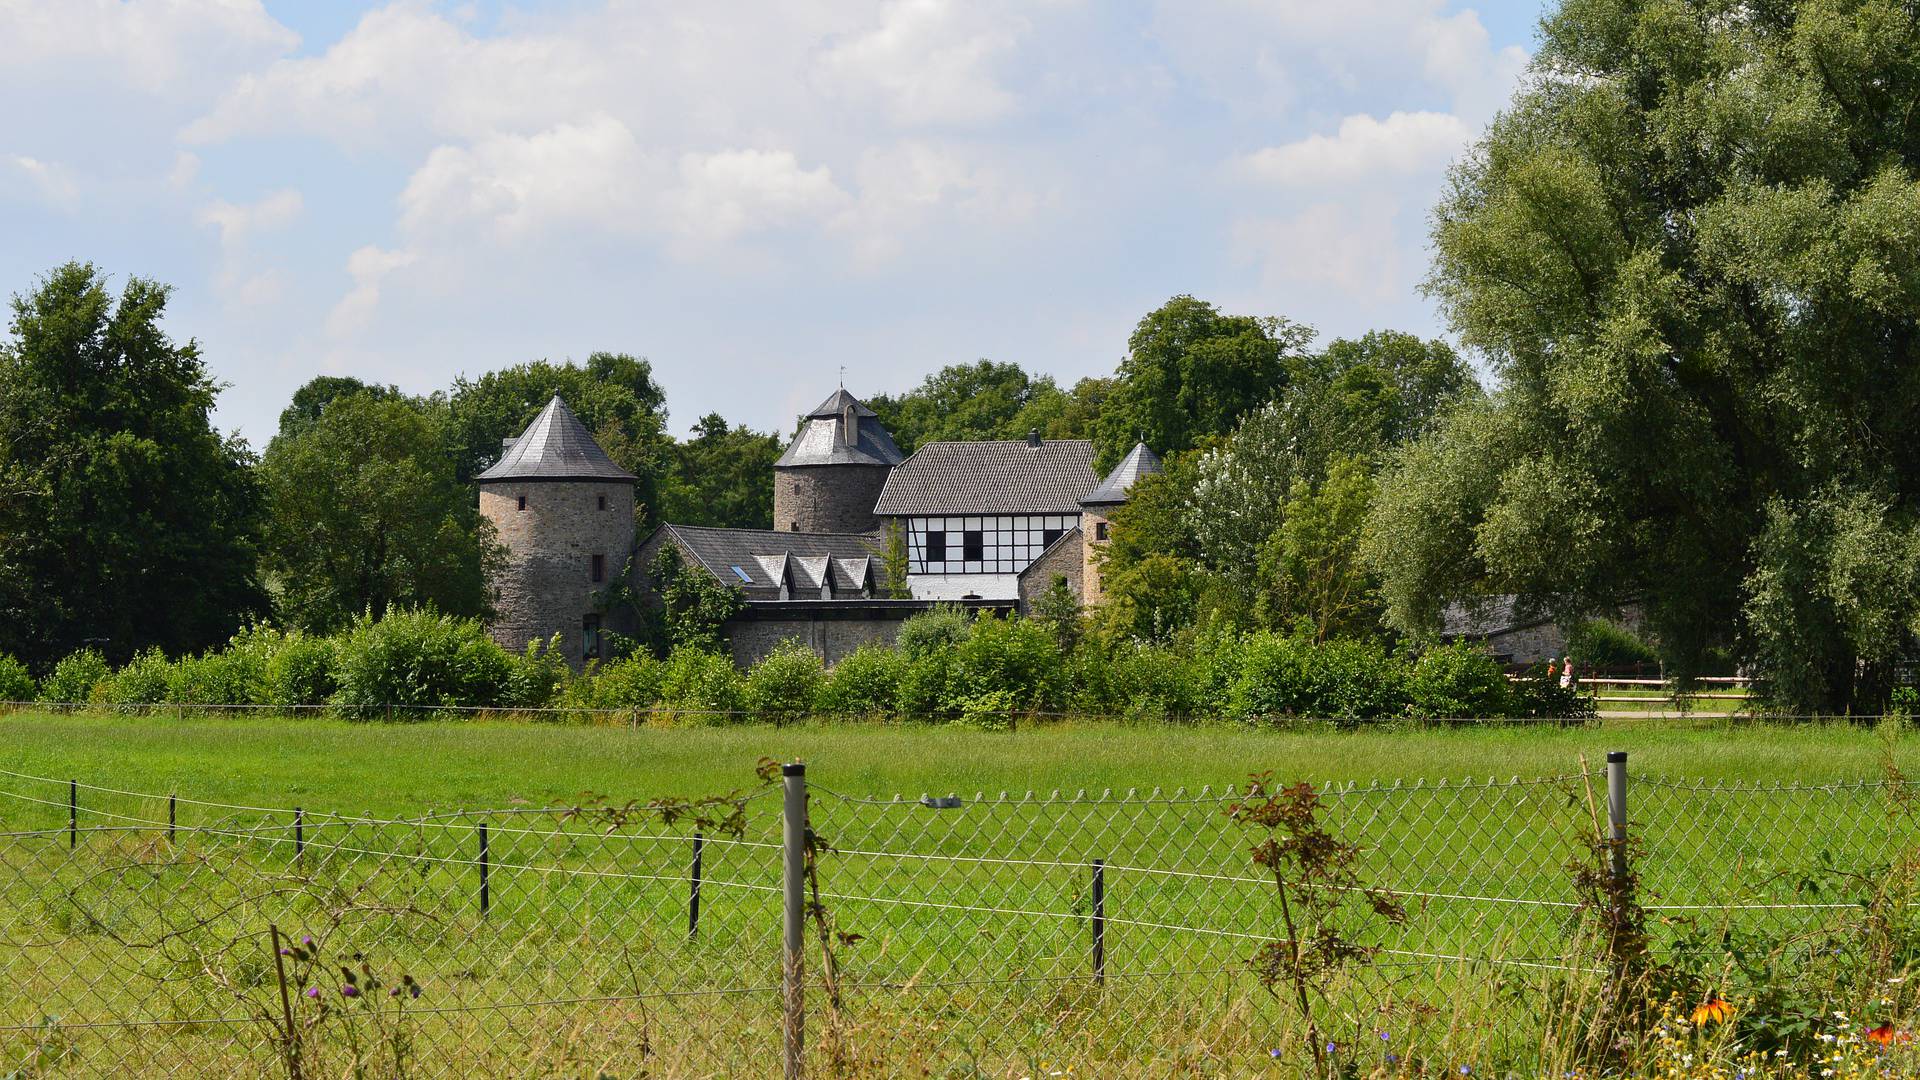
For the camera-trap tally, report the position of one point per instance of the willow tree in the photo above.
(1691, 251)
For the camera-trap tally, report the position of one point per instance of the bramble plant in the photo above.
(1324, 903)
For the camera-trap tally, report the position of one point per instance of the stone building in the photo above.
(989, 525)
(564, 512)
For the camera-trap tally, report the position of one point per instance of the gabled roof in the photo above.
(823, 437)
(1112, 491)
(1024, 477)
(765, 558)
(556, 446)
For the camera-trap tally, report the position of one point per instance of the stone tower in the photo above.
(564, 511)
(1096, 512)
(832, 472)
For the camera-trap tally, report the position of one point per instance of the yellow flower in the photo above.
(1712, 1010)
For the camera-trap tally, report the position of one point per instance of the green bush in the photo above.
(301, 671)
(413, 659)
(1541, 697)
(1459, 682)
(1153, 682)
(74, 677)
(785, 685)
(218, 677)
(535, 678)
(142, 682)
(701, 687)
(1269, 680)
(1013, 656)
(1341, 680)
(16, 682)
(924, 685)
(991, 710)
(866, 682)
(933, 630)
(1599, 643)
(632, 683)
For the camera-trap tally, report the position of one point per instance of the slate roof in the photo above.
(555, 446)
(766, 558)
(1112, 491)
(823, 437)
(958, 478)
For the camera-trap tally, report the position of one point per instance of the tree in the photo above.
(1311, 564)
(613, 394)
(693, 607)
(124, 517)
(1686, 250)
(894, 564)
(970, 402)
(1191, 372)
(721, 477)
(367, 514)
(320, 391)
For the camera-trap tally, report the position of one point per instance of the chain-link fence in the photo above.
(981, 935)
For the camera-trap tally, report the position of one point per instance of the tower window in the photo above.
(599, 568)
(590, 637)
(603, 502)
(523, 502)
(1099, 530)
(936, 547)
(973, 545)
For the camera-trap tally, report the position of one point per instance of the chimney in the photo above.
(506, 444)
(1033, 436)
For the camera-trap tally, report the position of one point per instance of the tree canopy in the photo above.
(125, 519)
(721, 477)
(1687, 251)
(367, 514)
(978, 401)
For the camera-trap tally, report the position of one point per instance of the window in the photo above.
(590, 637)
(599, 568)
(936, 547)
(745, 578)
(1099, 530)
(973, 545)
(1048, 536)
(523, 502)
(603, 502)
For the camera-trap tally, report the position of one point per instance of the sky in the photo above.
(751, 195)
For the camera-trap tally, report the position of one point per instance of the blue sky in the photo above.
(751, 195)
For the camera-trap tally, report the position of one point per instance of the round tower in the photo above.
(1096, 515)
(564, 512)
(832, 472)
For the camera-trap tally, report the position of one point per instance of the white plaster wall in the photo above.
(957, 586)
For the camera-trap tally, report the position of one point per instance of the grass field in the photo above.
(972, 958)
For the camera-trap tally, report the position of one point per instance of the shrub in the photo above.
(1151, 682)
(701, 687)
(219, 677)
(1457, 682)
(924, 681)
(991, 710)
(1268, 679)
(1013, 656)
(16, 682)
(1599, 643)
(417, 658)
(142, 682)
(536, 677)
(1541, 697)
(866, 682)
(301, 671)
(632, 683)
(1348, 680)
(785, 685)
(933, 630)
(74, 677)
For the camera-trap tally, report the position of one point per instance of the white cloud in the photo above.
(1345, 248)
(724, 194)
(1365, 149)
(369, 267)
(185, 168)
(903, 188)
(43, 181)
(928, 62)
(172, 48)
(239, 221)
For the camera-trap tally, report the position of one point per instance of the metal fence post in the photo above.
(483, 870)
(299, 832)
(170, 818)
(794, 819)
(1617, 810)
(693, 891)
(73, 814)
(1099, 920)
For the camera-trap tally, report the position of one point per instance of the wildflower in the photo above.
(1884, 1035)
(307, 940)
(1331, 1047)
(1274, 1053)
(1466, 1070)
(1383, 1036)
(349, 990)
(1712, 1010)
(286, 952)
(313, 992)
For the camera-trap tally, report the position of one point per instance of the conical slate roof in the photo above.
(1112, 491)
(823, 438)
(556, 446)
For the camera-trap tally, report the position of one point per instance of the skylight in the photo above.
(742, 575)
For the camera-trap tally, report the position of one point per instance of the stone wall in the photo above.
(827, 498)
(546, 586)
(1067, 558)
(832, 634)
(1093, 520)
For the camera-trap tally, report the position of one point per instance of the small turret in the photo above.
(832, 472)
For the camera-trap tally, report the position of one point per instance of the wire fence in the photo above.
(797, 930)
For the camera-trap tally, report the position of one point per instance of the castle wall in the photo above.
(547, 586)
(827, 498)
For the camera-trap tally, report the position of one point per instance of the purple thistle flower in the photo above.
(313, 992)
(1383, 1036)
(1331, 1047)
(1274, 1053)
(414, 989)
(286, 952)
(349, 990)
(307, 940)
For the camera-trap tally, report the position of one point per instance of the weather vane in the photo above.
(843, 376)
